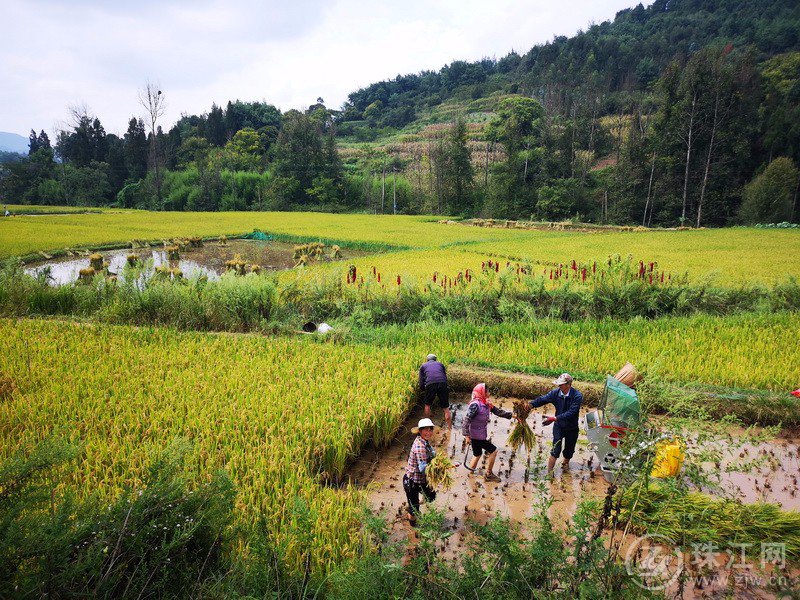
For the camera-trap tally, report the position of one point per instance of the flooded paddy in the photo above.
(208, 260)
(751, 469)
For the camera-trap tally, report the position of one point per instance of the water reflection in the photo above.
(65, 271)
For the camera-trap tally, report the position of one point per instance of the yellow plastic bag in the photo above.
(668, 460)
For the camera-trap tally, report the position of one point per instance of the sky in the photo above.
(55, 54)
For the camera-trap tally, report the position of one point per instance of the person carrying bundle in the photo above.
(567, 402)
(474, 430)
(414, 479)
(433, 383)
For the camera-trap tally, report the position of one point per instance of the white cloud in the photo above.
(58, 53)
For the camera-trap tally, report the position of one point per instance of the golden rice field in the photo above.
(275, 413)
(26, 234)
(732, 256)
(741, 351)
(282, 414)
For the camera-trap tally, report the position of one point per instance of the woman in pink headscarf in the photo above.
(474, 430)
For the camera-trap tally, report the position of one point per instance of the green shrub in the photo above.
(163, 539)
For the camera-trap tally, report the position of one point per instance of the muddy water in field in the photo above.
(208, 261)
(765, 470)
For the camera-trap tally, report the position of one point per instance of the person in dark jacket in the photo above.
(433, 383)
(567, 402)
(474, 430)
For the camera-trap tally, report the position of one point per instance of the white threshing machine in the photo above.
(606, 427)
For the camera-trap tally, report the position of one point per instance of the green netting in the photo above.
(620, 404)
(258, 235)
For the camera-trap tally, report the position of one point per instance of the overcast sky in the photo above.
(57, 53)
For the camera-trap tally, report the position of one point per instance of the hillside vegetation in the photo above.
(684, 112)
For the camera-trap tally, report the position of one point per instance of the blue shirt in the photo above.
(567, 407)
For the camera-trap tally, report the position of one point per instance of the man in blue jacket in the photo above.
(567, 402)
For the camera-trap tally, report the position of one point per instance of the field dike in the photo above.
(749, 406)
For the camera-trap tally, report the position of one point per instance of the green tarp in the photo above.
(620, 404)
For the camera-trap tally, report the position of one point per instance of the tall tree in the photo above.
(97, 136)
(152, 100)
(517, 126)
(780, 111)
(215, 127)
(454, 174)
(33, 142)
(136, 150)
(302, 157)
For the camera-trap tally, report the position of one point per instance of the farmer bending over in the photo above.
(415, 480)
(433, 382)
(474, 430)
(567, 402)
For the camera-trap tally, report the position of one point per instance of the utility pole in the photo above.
(394, 190)
(383, 187)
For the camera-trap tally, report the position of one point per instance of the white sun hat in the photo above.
(421, 425)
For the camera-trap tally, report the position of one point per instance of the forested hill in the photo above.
(610, 60)
(685, 112)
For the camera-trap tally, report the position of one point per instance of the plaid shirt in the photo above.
(421, 452)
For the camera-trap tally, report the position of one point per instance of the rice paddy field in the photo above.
(279, 415)
(741, 351)
(286, 415)
(733, 256)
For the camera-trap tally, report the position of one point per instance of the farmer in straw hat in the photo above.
(567, 402)
(433, 383)
(474, 430)
(414, 479)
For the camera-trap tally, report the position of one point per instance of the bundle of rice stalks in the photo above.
(86, 275)
(440, 472)
(695, 517)
(173, 252)
(237, 265)
(96, 262)
(522, 435)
